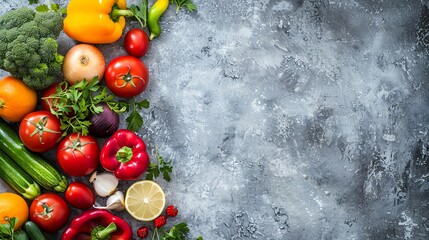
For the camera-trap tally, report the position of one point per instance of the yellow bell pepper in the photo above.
(90, 21)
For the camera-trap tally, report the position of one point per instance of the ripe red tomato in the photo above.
(49, 211)
(126, 76)
(136, 42)
(78, 155)
(40, 131)
(79, 195)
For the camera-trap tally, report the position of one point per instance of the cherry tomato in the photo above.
(40, 131)
(136, 42)
(78, 155)
(126, 76)
(49, 211)
(79, 195)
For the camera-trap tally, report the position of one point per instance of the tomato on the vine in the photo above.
(49, 211)
(78, 155)
(40, 131)
(79, 195)
(136, 42)
(126, 76)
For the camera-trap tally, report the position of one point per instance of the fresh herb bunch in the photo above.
(155, 169)
(184, 3)
(74, 104)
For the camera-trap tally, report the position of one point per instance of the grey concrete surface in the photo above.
(291, 119)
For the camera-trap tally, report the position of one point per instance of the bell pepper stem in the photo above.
(124, 154)
(116, 13)
(106, 231)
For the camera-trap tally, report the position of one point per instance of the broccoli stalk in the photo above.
(28, 46)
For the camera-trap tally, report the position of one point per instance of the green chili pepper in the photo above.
(155, 12)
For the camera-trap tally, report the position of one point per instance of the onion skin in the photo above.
(104, 124)
(83, 61)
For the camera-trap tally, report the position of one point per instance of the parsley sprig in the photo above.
(7, 231)
(162, 166)
(184, 3)
(177, 232)
(140, 12)
(48, 7)
(134, 120)
(74, 104)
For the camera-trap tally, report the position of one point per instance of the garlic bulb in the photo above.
(115, 202)
(104, 183)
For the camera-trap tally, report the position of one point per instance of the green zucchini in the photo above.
(17, 178)
(33, 231)
(38, 168)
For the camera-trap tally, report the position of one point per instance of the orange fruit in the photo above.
(13, 205)
(16, 99)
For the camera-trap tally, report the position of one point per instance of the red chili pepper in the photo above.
(98, 224)
(124, 153)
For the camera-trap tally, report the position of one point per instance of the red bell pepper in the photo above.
(98, 224)
(124, 154)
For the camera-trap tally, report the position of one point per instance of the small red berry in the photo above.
(171, 211)
(160, 221)
(142, 232)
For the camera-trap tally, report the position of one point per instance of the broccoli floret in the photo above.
(33, 28)
(52, 21)
(12, 34)
(28, 46)
(16, 18)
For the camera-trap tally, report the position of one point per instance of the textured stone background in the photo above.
(291, 119)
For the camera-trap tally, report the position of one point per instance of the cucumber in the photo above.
(20, 235)
(46, 175)
(33, 231)
(17, 178)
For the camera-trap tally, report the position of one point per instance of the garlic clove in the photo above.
(104, 183)
(115, 202)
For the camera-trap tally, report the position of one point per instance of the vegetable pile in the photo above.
(71, 106)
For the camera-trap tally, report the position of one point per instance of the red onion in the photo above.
(104, 124)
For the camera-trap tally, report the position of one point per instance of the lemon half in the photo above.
(145, 200)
